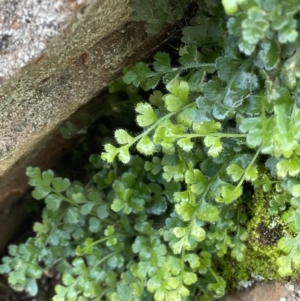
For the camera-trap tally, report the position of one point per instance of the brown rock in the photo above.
(271, 291)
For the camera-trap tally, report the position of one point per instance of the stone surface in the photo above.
(26, 27)
(271, 291)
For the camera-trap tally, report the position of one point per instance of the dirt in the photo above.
(268, 291)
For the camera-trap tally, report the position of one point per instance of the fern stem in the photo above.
(221, 135)
(248, 167)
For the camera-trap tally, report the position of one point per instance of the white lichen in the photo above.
(25, 28)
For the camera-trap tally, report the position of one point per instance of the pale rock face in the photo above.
(25, 28)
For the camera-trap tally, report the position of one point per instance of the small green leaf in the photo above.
(182, 244)
(247, 47)
(110, 230)
(189, 278)
(193, 260)
(40, 192)
(117, 205)
(34, 173)
(226, 67)
(53, 201)
(287, 35)
(254, 28)
(103, 211)
(47, 177)
(38, 227)
(246, 81)
(162, 62)
(208, 212)
(229, 193)
(197, 180)
(288, 166)
(67, 279)
(68, 130)
(234, 24)
(110, 153)
(230, 6)
(269, 54)
(158, 205)
(296, 190)
(285, 267)
(176, 172)
(86, 208)
(173, 103)
(61, 292)
(179, 95)
(79, 198)
(95, 224)
(180, 231)
(146, 146)
(146, 115)
(153, 284)
(186, 144)
(95, 196)
(60, 184)
(235, 171)
(238, 251)
(186, 116)
(289, 245)
(31, 287)
(214, 144)
(197, 233)
(185, 210)
(73, 215)
(206, 127)
(251, 173)
(124, 155)
(173, 283)
(154, 166)
(291, 218)
(156, 98)
(123, 137)
(159, 295)
(137, 74)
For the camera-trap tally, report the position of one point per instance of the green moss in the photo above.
(265, 229)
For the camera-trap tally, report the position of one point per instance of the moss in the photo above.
(264, 232)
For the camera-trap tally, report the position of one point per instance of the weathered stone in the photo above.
(26, 27)
(77, 64)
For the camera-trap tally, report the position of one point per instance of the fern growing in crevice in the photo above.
(166, 203)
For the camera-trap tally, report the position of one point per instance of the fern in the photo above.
(168, 201)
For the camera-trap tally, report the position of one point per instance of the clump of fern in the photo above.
(166, 201)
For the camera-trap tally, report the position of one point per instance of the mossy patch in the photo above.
(265, 228)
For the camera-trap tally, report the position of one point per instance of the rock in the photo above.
(26, 27)
(271, 291)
